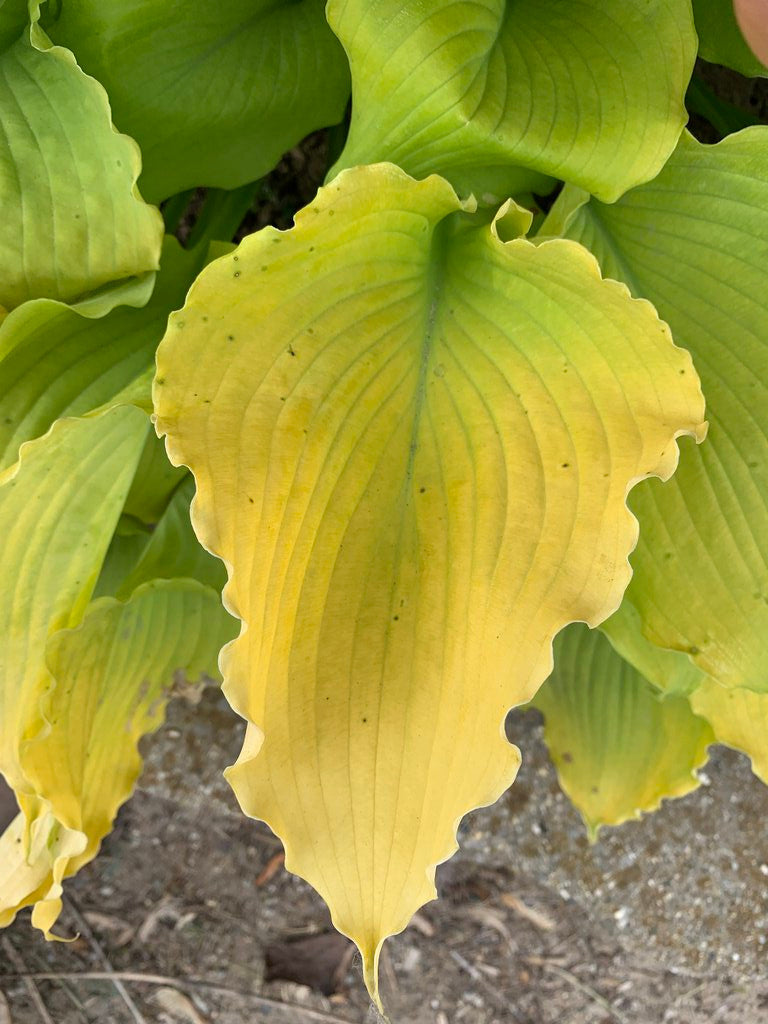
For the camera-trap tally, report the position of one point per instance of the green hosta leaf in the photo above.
(720, 38)
(73, 220)
(412, 433)
(672, 672)
(739, 717)
(60, 361)
(169, 550)
(58, 509)
(14, 18)
(587, 90)
(695, 242)
(111, 678)
(213, 93)
(155, 482)
(619, 746)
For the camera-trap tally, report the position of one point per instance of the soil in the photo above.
(663, 920)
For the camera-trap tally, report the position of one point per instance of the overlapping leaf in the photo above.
(739, 717)
(73, 221)
(59, 361)
(166, 551)
(587, 90)
(413, 433)
(111, 679)
(695, 242)
(213, 93)
(619, 746)
(58, 509)
(721, 40)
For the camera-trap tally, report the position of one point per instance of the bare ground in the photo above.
(664, 920)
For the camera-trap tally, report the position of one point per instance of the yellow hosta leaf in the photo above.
(58, 508)
(111, 676)
(739, 718)
(412, 434)
(619, 746)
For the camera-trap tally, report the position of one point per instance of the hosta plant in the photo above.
(407, 440)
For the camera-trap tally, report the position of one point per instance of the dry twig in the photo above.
(121, 990)
(34, 993)
(183, 984)
(582, 986)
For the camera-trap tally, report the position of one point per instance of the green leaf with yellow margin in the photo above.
(73, 221)
(213, 93)
(112, 677)
(412, 433)
(587, 90)
(619, 746)
(695, 242)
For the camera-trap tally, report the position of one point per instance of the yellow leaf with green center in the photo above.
(412, 433)
(620, 747)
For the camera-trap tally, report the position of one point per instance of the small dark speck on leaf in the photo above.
(204, 319)
(753, 465)
(160, 381)
(568, 757)
(291, 350)
(396, 617)
(264, 267)
(566, 465)
(365, 719)
(682, 373)
(311, 248)
(310, 330)
(236, 274)
(422, 490)
(667, 555)
(282, 398)
(230, 337)
(235, 258)
(694, 650)
(251, 500)
(331, 213)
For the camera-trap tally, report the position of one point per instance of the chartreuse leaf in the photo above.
(412, 434)
(695, 242)
(57, 360)
(587, 90)
(670, 671)
(213, 93)
(112, 676)
(619, 746)
(168, 550)
(721, 40)
(58, 508)
(73, 220)
(739, 717)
